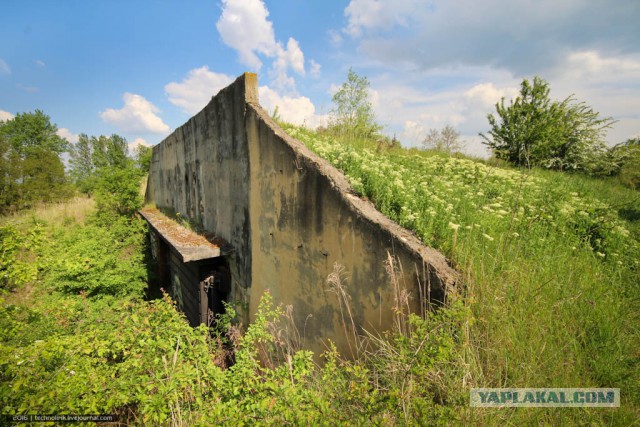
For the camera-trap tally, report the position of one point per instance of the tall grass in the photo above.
(550, 264)
(75, 209)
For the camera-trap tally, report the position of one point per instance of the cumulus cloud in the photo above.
(487, 95)
(523, 37)
(243, 26)
(40, 63)
(412, 133)
(196, 90)
(137, 115)
(591, 64)
(314, 68)
(5, 115)
(448, 62)
(376, 14)
(411, 108)
(66, 134)
(296, 110)
(4, 67)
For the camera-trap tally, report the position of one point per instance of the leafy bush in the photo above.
(16, 249)
(97, 260)
(118, 191)
(535, 131)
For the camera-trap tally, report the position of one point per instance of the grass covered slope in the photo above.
(551, 261)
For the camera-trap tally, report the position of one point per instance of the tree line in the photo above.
(32, 169)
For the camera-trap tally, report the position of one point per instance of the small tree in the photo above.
(353, 114)
(447, 139)
(31, 169)
(536, 131)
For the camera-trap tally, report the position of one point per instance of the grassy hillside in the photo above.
(550, 262)
(548, 298)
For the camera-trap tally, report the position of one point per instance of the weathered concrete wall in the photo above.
(201, 171)
(290, 216)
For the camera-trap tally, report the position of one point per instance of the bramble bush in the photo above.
(16, 249)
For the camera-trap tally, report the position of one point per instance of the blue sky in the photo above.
(142, 68)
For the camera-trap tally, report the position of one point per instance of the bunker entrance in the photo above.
(214, 289)
(191, 268)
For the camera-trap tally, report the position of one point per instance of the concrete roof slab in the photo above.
(190, 245)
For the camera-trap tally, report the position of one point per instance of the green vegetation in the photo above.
(353, 116)
(31, 170)
(549, 263)
(535, 131)
(550, 271)
(79, 337)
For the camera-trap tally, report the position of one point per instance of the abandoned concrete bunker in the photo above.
(276, 217)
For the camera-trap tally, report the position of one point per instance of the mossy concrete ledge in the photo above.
(189, 245)
(290, 217)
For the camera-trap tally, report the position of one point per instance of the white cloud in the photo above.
(588, 65)
(196, 90)
(40, 63)
(524, 37)
(66, 134)
(428, 72)
(5, 115)
(243, 26)
(314, 68)
(410, 106)
(335, 38)
(293, 56)
(376, 14)
(139, 141)
(296, 110)
(412, 133)
(138, 116)
(486, 95)
(4, 67)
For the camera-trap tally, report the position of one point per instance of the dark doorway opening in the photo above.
(215, 286)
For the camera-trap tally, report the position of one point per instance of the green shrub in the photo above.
(117, 191)
(98, 260)
(16, 250)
